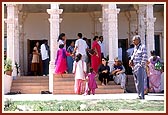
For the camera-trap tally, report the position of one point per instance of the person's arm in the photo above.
(76, 47)
(144, 56)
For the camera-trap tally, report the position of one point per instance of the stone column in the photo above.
(105, 28)
(150, 43)
(131, 16)
(112, 31)
(141, 22)
(54, 33)
(12, 35)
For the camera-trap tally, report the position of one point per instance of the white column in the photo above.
(54, 33)
(12, 35)
(105, 28)
(113, 31)
(141, 22)
(150, 43)
(133, 25)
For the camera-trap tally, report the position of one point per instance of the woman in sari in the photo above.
(153, 74)
(96, 57)
(61, 60)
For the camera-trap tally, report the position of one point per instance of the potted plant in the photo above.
(8, 75)
(8, 67)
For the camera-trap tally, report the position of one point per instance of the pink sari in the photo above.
(61, 61)
(154, 79)
(96, 60)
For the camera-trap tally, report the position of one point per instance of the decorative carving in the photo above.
(54, 11)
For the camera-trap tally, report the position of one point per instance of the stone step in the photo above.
(97, 91)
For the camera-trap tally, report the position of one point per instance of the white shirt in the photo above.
(44, 52)
(102, 46)
(80, 67)
(61, 42)
(130, 51)
(120, 54)
(81, 46)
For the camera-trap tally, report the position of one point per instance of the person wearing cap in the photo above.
(138, 63)
(118, 72)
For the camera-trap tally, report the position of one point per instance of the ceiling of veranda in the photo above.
(41, 8)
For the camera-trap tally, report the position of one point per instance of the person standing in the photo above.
(70, 59)
(81, 47)
(138, 63)
(101, 43)
(35, 59)
(45, 57)
(79, 69)
(62, 40)
(96, 57)
(91, 84)
(61, 60)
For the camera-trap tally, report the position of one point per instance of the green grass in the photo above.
(85, 105)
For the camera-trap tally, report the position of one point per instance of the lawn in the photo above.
(86, 105)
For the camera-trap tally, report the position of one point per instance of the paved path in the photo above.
(45, 97)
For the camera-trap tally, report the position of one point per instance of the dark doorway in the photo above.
(124, 45)
(157, 44)
(31, 44)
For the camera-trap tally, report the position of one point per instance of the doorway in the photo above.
(30, 45)
(124, 45)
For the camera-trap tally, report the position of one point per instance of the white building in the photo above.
(26, 23)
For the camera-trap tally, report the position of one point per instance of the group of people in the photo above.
(146, 75)
(42, 52)
(75, 59)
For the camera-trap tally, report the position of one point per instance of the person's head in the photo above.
(61, 36)
(79, 35)
(101, 38)
(136, 40)
(78, 57)
(96, 38)
(61, 46)
(131, 45)
(72, 43)
(45, 41)
(37, 44)
(90, 69)
(104, 61)
(117, 61)
(152, 52)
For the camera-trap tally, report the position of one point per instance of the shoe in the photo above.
(140, 97)
(43, 75)
(103, 84)
(84, 94)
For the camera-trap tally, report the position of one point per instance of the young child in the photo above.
(91, 84)
(79, 69)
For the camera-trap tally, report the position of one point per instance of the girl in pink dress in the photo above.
(61, 61)
(96, 57)
(91, 84)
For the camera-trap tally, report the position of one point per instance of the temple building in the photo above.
(25, 23)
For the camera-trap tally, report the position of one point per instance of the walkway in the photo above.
(46, 97)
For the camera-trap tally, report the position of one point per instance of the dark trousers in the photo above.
(45, 67)
(103, 77)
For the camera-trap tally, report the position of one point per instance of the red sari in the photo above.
(96, 58)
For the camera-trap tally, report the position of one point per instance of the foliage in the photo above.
(86, 105)
(7, 65)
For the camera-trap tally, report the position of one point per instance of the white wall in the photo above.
(36, 27)
(74, 23)
(123, 26)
